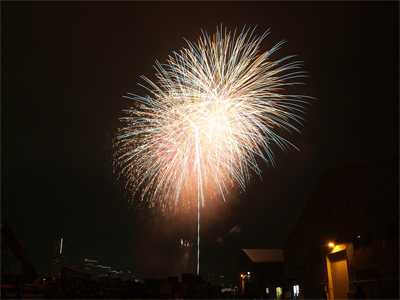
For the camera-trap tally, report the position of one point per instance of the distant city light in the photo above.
(185, 244)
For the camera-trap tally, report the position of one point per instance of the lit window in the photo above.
(278, 292)
(296, 290)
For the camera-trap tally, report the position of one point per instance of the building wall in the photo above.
(259, 276)
(268, 275)
(356, 207)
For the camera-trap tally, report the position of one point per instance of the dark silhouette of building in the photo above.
(211, 278)
(348, 235)
(59, 255)
(89, 264)
(222, 281)
(260, 272)
(191, 287)
(188, 256)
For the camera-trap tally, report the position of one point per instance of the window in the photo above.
(278, 292)
(369, 274)
(296, 290)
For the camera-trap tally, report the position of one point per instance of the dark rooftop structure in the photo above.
(264, 255)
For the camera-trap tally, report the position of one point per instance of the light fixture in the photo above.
(331, 245)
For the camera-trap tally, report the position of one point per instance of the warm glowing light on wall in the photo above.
(331, 245)
(339, 247)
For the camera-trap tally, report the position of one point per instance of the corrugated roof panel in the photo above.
(264, 255)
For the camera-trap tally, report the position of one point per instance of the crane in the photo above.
(28, 270)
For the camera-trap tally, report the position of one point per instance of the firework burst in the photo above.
(208, 118)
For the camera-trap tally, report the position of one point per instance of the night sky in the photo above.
(66, 66)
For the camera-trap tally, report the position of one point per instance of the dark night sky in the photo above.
(66, 66)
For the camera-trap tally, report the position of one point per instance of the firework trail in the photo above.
(209, 117)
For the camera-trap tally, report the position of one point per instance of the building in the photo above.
(187, 256)
(222, 281)
(89, 264)
(191, 287)
(99, 271)
(260, 273)
(211, 278)
(59, 255)
(348, 235)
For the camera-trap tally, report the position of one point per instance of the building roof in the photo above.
(264, 255)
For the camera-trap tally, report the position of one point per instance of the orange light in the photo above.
(331, 245)
(241, 275)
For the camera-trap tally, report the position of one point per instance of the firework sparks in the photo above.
(211, 114)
